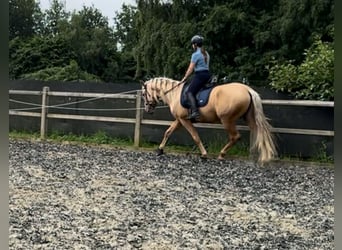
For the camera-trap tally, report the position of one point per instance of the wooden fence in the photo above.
(139, 120)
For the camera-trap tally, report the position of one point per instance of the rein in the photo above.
(177, 85)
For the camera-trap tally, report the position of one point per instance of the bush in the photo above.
(70, 73)
(313, 79)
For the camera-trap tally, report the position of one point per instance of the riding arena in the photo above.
(79, 196)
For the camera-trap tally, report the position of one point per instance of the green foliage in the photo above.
(86, 39)
(55, 17)
(312, 79)
(98, 138)
(37, 53)
(241, 38)
(21, 18)
(322, 155)
(125, 31)
(69, 73)
(153, 37)
(93, 43)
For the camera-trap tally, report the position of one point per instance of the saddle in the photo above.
(202, 96)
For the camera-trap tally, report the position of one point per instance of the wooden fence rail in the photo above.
(139, 120)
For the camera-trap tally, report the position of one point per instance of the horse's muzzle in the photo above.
(149, 109)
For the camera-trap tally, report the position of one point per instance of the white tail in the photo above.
(262, 140)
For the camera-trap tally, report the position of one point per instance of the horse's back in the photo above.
(231, 92)
(234, 87)
(230, 98)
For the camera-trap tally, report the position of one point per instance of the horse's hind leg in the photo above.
(174, 125)
(233, 134)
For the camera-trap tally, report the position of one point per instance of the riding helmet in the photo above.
(197, 39)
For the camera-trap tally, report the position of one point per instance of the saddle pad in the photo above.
(202, 96)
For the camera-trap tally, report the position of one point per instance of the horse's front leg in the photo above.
(174, 125)
(195, 136)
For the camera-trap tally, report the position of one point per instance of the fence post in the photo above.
(43, 119)
(138, 118)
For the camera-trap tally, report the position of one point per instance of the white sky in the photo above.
(106, 7)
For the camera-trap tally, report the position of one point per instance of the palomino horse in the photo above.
(227, 103)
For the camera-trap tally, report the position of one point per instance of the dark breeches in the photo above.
(198, 81)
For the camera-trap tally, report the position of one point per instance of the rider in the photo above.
(200, 64)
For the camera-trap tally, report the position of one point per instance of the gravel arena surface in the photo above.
(66, 196)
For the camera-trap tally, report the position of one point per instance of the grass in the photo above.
(101, 138)
(98, 138)
(240, 150)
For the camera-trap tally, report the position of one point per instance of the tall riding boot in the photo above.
(194, 110)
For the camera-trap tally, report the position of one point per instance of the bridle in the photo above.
(147, 101)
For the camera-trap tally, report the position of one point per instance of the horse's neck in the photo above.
(169, 90)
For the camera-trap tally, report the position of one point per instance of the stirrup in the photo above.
(194, 116)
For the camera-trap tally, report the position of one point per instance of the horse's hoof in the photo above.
(160, 151)
(220, 157)
(204, 157)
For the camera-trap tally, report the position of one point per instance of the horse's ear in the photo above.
(142, 83)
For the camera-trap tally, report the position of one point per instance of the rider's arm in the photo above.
(189, 71)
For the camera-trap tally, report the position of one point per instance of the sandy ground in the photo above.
(85, 197)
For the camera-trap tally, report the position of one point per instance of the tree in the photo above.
(299, 22)
(93, 42)
(124, 27)
(55, 17)
(125, 34)
(21, 18)
(153, 38)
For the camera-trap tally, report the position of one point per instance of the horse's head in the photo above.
(150, 102)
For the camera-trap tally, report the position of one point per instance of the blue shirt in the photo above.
(198, 58)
